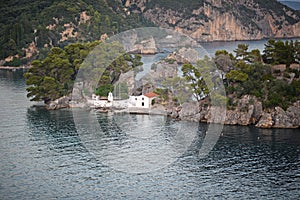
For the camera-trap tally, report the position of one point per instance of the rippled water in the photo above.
(48, 155)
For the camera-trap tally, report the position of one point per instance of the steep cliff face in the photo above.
(210, 20)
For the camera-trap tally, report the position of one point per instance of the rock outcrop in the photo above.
(160, 71)
(279, 118)
(249, 111)
(145, 47)
(212, 20)
(266, 121)
(184, 55)
(190, 111)
(63, 102)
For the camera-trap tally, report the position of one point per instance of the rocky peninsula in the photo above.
(253, 88)
(249, 111)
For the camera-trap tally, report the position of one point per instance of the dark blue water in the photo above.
(45, 155)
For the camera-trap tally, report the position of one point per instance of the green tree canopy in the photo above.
(193, 76)
(279, 52)
(236, 75)
(53, 77)
(241, 51)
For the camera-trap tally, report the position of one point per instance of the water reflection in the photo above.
(12, 79)
(138, 143)
(134, 143)
(246, 162)
(56, 129)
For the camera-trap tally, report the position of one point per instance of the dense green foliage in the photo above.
(112, 73)
(254, 77)
(53, 77)
(204, 82)
(279, 52)
(23, 22)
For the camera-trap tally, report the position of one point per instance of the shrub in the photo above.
(16, 62)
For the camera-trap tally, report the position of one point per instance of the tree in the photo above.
(236, 75)
(254, 56)
(178, 88)
(103, 90)
(224, 52)
(279, 52)
(10, 48)
(51, 78)
(195, 80)
(241, 51)
(269, 51)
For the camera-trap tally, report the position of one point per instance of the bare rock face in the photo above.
(293, 112)
(62, 102)
(281, 119)
(127, 79)
(223, 19)
(184, 55)
(215, 115)
(248, 111)
(287, 119)
(146, 47)
(190, 111)
(266, 121)
(159, 72)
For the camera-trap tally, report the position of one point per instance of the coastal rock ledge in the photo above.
(249, 111)
(63, 102)
(278, 118)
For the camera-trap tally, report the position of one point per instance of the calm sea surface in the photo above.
(81, 154)
(211, 47)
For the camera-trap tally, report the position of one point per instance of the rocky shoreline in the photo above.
(249, 111)
(15, 68)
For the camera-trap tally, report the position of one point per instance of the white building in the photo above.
(142, 101)
(103, 102)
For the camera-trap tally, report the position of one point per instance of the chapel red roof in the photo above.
(151, 95)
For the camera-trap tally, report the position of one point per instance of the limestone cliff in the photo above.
(211, 20)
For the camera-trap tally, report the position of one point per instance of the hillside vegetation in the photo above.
(29, 29)
(48, 23)
(273, 77)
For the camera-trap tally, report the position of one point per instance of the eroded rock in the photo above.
(62, 102)
(266, 121)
